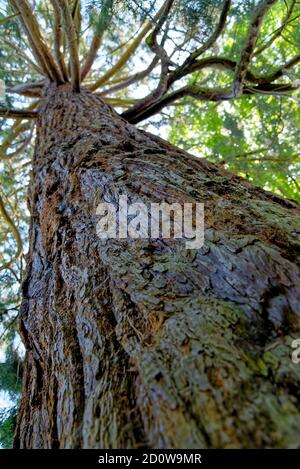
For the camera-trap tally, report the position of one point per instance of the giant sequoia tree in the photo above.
(142, 342)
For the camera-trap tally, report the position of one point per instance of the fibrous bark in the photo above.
(134, 343)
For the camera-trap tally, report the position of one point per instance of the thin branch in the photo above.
(294, 180)
(127, 54)
(165, 80)
(20, 149)
(76, 17)
(264, 86)
(213, 38)
(249, 46)
(8, 326)
(39, 47)
(15, 130)
(22, 54)
(102, 23)
(252, 152)
(274, 90)
(18, 280)
(278, 31)
(160, 52)
(72, 43)
(17, 113)
(222, 63)
(58, 39)
(123, 59)
(151, 40)
(31, 90)
(132, 79)
(16, 234)
(280, 71)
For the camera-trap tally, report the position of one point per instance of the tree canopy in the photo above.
(219, 78)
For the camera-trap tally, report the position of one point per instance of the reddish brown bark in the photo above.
(144, 343)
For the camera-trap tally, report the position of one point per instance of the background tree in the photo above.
(104, 324)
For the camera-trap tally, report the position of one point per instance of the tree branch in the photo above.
(278, 32)
(280, 72)
(16, 234)
(58, 39)
(39, 47)
(22, 147)
(127, 54)
(17, 113)
(224, 63)
(72, 43)
(160, 52)
(103, 21)
(136, 114)
(15, 130)
(212, 39)
(151, 40)
(76, 17)
(22, 54)
(165, 80)
(249, 46)
(207, 94)
(31, 90)
(132, 79)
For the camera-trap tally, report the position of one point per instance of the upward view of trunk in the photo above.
(143, 343)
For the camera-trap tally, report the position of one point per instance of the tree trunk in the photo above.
(134, 343)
